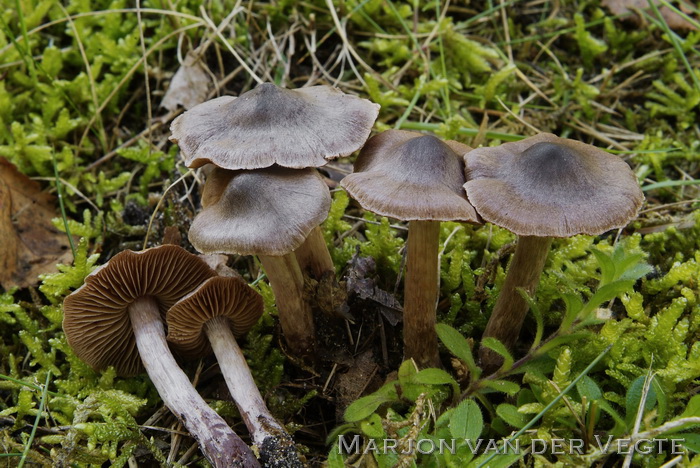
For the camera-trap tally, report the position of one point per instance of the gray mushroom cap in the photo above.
(262, 212)
(269, 125)
(551, 187)
(411, 176)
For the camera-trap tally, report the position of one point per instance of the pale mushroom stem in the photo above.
(510, 310)
(313, 254)
(219, 444)
(295, 315)
(275, 445)
(421, 293)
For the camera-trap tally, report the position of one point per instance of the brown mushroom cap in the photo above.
(228, 297)
(269, 125)
(262, 212)
(96, 317)
(551, 187)
(411, 176)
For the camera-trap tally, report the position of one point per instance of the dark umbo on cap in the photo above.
(411, 176)
(551, 187)
(269, 125)
(262, 212)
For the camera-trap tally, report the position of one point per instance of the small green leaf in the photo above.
(372, 427)
(573, 308)
(692, 410)
(691, 441)
(500, 461)
(588, 388)
(607, 266)
(363, 407)
(407, 371)
(459, 346)
(410, 388)
(335, 458)
(510, 414)
(604, 294)
(661, 398)
(466, 421)
(637, 271)
(560, 340)
(505, 386)
(634, 396)
(434, 376)
(531, 408)
(499, 348)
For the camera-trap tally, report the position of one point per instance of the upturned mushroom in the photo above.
(269, 125)
(540, 188)
(211, 317)
(416, 178)
(268, 213)
(115, 319)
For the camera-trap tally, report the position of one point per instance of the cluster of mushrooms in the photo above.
(263, 196)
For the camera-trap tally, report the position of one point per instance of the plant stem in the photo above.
(295, 315)
(510, 310)
(275, 445)
(421, 292)
(313, 254)
(219, 444)
(432, 127)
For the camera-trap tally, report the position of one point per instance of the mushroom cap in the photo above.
(551, 187)
(262, 212)
(269, 125)
(96, 316)
(220, 296)
(411, 176)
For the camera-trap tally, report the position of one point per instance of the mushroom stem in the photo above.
(275, 445)
(295, 315)
(313, 254)
(510, 310)
(219, 444)
(420, 293)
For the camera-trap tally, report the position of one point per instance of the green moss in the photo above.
(453, 74)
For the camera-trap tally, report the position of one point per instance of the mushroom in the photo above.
(416, 178)
(115, 319)
(209, 318)
(267, 212)
(269, 125)
(540, 188)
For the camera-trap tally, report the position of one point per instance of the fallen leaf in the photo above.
(360, 282)
(171, 235)
(218, 263)
(673, 19)
(30, 244)
(189, 86)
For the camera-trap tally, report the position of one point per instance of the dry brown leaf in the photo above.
(189, 86)
(218, 263)
(29, 243)
(674, 20)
